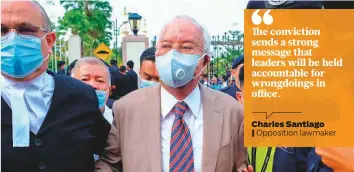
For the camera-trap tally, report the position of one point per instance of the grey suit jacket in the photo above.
(134, 140)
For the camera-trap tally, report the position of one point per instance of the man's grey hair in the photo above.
(45, 17)
(91, 61)
(204, 31)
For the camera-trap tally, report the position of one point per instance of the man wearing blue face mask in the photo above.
(95, 73)
(178, 125)
(147, 68)
(49, 122)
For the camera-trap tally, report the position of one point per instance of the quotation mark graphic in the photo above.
(257, 19)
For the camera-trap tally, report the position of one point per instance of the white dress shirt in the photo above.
(108, 114)
(44, 84)
(194, 119)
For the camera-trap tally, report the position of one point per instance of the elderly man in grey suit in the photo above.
(177, 125)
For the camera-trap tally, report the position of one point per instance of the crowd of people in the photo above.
(91, 116)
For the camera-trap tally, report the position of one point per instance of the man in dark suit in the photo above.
(123, 70)
(70, 67)
(133, 77)
(113, 66)
(114, 71)
(121, 81)
(49, 122)
(61, 67)
(233, 89)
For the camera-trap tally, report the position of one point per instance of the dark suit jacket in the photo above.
(122, 83)
(298, 159)
(110, 102)
(72, 131)
(133, 77)
(61, 71)
(231, 90)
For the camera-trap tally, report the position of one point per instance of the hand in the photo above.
(249, 169)
(339, 159)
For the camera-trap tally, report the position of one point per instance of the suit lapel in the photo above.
(150, 122)
(60, 93)
(6, 113)
(212, 130)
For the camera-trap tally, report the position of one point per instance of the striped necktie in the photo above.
(181, 149)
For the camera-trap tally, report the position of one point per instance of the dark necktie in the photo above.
(181, 149)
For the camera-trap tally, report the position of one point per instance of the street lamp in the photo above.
(116, 31)
(134, 20)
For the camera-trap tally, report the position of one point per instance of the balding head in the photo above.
(31, 16)
(188, 25)
(32, 7)
(45, 17)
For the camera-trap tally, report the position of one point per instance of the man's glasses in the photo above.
(182, 48)
(25, 32)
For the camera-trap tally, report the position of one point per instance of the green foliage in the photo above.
(224, 58)
(116, 56)
(88, 19)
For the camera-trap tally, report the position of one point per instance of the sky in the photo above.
(218, 16)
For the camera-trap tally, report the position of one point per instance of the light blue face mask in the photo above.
(20, 57)
(177, 69)
(101, 95)
(146, 83)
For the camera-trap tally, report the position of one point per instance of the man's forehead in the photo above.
(93, 70)
(19, 12)
(182, 29)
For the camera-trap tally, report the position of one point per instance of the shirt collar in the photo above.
(40, 81)
(107, 110)
(193, 101)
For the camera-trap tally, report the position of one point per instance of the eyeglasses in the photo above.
(187, 48)
(25, 32)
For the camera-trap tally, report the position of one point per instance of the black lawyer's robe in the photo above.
(72, 131)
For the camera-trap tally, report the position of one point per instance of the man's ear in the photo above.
(239, 96)
(234, 73)
(51, 37)
(206, 60)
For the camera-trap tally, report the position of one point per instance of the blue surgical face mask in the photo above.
(177, 69)
(20, 56)
(101, 95)
(146, 83)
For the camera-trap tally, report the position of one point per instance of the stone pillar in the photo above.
(132, 47)
(74, 48)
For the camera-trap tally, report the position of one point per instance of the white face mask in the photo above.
(176, 69)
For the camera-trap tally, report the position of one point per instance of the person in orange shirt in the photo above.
(340, 159)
